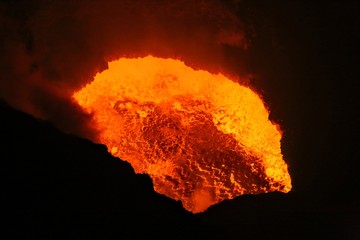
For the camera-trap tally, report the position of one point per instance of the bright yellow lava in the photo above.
(201, 137)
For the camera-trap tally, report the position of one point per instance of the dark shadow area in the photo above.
(58, 185)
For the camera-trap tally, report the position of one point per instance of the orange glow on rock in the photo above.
(201, 137)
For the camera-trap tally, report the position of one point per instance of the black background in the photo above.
(305, 56)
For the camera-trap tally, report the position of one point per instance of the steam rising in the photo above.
(49, 49)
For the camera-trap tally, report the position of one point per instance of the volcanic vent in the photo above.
(201, 137)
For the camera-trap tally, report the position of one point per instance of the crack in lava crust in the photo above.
(201, 137)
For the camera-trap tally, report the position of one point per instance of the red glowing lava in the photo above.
(201, 137)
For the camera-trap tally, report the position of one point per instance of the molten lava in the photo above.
(201, 137)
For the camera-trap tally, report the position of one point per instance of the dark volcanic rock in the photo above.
(284, 216)
(59, 185)
(56, 184)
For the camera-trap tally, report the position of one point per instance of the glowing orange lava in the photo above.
(201, 137)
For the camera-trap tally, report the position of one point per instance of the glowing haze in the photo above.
(50, 48)
(201, 137)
